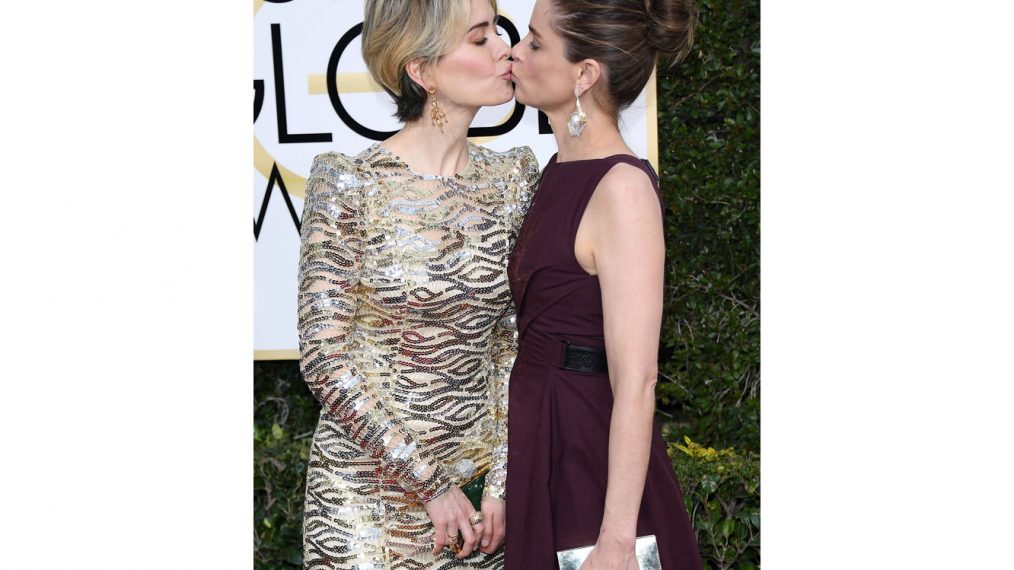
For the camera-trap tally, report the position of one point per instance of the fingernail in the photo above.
(485, 543)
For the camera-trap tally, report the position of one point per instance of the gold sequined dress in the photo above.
(407, 337)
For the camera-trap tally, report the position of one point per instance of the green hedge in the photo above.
(721, 488)
(709, 360)
(285, 415)
(709, 154)
(279, 479)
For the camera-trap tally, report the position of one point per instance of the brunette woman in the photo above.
(586, 464)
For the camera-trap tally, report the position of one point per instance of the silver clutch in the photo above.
(646, 550)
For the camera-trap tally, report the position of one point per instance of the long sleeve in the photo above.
(330, 265)
(524, 177)
(505, 348)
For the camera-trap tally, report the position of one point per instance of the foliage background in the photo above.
(709, 358)
(709, 139)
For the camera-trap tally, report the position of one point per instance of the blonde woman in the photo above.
(406, 328)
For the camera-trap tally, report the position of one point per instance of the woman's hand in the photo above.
(494, 520)
(611, 554)
(449, 513)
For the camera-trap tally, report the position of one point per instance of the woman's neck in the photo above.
(426, 150)
(600, 138)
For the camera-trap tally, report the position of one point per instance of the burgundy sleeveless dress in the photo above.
(558, 420)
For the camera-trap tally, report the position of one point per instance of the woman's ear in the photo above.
(588, 73)
(417, 72)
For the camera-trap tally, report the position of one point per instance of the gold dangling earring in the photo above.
(437, 115)
(578, 120)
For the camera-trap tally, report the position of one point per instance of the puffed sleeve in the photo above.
(330, 264)
(524, 175)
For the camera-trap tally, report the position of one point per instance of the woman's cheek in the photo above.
(478, 67)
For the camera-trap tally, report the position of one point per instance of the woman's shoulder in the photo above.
(629, 172)
(627, 189)
(336, 175)
(520, 157)
(335, 162)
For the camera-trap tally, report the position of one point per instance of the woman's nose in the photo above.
(505, 49)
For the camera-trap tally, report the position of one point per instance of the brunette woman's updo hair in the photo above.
(627, 37)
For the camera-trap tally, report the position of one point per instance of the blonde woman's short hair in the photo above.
(397, 31)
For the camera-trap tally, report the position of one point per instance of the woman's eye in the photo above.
(481, 42)
(533, 45)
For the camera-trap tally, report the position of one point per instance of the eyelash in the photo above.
(484, 39)
(533, 45)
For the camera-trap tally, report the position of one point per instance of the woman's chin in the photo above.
(519, 96)
(501, 98)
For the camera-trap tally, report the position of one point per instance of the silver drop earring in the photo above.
(578, 120)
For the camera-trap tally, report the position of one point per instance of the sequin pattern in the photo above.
(407, 337)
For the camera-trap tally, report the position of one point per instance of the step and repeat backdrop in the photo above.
(312, 94)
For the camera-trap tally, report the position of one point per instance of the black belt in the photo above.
(583, 359)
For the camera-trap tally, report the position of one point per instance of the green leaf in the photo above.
(728, 525)
(294, 556)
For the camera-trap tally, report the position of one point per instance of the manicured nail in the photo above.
(485, 543)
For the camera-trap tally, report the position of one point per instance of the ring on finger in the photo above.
(452, 542)
(476, 518)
